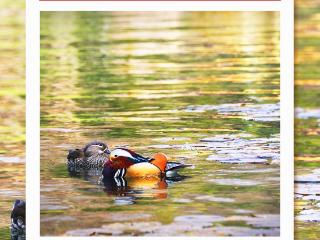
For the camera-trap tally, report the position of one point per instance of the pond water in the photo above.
(12, 99)
(201, 87)
(307, 124)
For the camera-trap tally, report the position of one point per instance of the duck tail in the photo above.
(175, 166)
(160, 160)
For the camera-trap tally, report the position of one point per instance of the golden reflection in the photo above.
(137, 187)
(12, 110)
(66, 60)
(117, 79)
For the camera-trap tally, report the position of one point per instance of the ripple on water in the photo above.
(235, 182)
(259, 220)
(237, 149)
(313, 177)
(180, 225)
(62, 130)
(307, 188)
(181, 200)
(121, 201)
(263, 225)
(214, 199)
(193, 219)
(303, 113)
(9, 192)
(11, 159)
(309, 215)
(58, 218)
(246, 111)
(48, 203)
(245, 231)
(124, 104)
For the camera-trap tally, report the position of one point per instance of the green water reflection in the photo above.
(307, 88)
(12, 111)
(129, 79)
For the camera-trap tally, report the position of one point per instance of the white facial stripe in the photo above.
(96, 145)
(121, 153)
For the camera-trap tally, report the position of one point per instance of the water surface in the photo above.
(12, 99)
(307, 128)
(201, 87)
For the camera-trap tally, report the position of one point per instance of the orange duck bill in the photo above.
(126, 163)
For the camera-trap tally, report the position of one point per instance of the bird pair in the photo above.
(121, 162)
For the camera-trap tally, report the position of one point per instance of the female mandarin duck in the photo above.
(93, 155)
(126, 163)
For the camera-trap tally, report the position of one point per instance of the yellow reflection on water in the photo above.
(12, 111)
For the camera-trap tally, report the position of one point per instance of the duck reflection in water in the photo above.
(129, 190)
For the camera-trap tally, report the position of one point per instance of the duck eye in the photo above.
(116, 155)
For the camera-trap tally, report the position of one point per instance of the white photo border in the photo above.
(286, 9)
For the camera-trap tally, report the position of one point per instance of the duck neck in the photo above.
(108, 170)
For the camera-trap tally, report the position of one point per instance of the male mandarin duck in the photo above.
(126, 163)
(93, 155)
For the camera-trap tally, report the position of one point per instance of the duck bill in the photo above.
(107, 151)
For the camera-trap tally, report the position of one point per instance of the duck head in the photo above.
(95, 148)
(121, 158)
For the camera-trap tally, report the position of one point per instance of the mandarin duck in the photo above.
(126, 163)
(93, 155)
(18, 220)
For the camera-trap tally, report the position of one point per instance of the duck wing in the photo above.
(136, 158)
